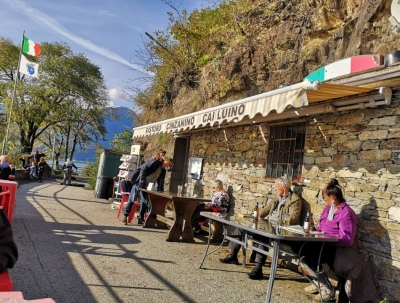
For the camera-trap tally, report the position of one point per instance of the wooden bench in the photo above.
(165, 220)
(6, 284)
(217, 231)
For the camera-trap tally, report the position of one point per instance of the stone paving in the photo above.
(73, 249)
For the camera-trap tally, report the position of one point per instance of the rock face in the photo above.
(366, 166)
(287, 40)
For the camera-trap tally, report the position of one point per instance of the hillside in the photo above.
(278, 42)
(113, 126)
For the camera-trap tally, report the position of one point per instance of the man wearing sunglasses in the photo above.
(286, 203)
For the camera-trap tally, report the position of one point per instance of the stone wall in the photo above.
(360, 148)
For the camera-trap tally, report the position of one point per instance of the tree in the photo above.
(176, 54)
(122, 141)
(69, 89)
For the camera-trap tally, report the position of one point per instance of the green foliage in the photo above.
(90, 171)
(68, 98)
(204, 60)
(162, 139)
(122, 141)
(188, 43)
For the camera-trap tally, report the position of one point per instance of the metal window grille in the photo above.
(286, 151)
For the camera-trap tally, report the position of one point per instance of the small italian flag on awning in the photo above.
(30, 48)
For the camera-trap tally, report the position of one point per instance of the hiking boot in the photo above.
(311, 289)
(125, 220)
(326, 294)
(256, 273)
(230, 259)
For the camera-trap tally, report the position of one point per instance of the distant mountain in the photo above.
(113, 127)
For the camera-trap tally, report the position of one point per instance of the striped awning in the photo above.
(295, 96)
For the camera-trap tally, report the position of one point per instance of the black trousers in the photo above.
(310, 253)
(309, 250)
(234, 247)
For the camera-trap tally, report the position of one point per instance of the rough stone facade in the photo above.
(360, 148)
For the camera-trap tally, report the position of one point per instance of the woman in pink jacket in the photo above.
(337, 219)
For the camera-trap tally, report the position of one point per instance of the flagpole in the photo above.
(4, 150)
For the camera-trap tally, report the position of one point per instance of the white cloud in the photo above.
(47, 21)
(105, 13)
(117, 93)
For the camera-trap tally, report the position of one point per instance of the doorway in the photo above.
(179, 170)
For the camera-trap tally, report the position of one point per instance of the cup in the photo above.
(195, 195)
(179, 190)
(150, 186)
(286, 219)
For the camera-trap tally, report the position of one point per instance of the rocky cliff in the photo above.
(285, 41)
(282, 42)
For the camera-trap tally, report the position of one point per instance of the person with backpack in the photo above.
(67, 167)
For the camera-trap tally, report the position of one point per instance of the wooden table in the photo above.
(183, 207)
(275, 234)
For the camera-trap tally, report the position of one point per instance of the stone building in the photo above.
(348, 129)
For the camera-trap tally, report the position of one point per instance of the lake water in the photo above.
(79, 165)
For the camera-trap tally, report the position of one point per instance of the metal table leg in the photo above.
(274, 265)
(206, 254)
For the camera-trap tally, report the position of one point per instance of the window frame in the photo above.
(286, 141)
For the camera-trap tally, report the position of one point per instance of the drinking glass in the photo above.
(286, 219)
(179, 190)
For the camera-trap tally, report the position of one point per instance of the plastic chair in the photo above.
(7, 197)
(6, 284)
(124, 199)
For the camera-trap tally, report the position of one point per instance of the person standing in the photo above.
(149, 172)
(161, 179)
(67, 167)
(41, 165)
(36, 158)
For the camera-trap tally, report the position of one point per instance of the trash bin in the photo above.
(110, 188)
(102, 187)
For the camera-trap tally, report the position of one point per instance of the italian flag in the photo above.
(30, 48)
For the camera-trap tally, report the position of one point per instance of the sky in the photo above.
(106, 31)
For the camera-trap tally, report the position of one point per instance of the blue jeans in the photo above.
(144, 201)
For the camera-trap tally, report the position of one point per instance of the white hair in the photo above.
(284, 181)
(218, 183)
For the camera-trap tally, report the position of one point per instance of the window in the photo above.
(285, 151)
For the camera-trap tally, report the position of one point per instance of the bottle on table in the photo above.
(256, 212)
(307, 222)
(312, 228)
(255, 216)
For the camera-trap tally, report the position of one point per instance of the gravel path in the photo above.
(73, 249)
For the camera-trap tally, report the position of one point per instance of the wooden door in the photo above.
(179, 170)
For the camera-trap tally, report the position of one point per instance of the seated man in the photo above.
(286, 202)
(219, 203)
(8, 249)
(5, 169)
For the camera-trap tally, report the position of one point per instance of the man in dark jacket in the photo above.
(8, 249)
(147, 173)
